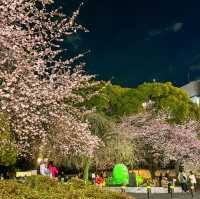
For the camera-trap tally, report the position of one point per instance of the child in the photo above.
(100, 181)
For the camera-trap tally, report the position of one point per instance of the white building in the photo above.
(193, 90)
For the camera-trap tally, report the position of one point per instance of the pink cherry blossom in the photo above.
(157, 142)
(36, 84)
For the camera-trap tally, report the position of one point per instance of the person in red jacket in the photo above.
(53, 170)
(99, 181)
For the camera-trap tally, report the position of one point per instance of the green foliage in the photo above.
(116, 146)
(86, 169)
(115, 101)
(45, 188)
(171, 99)
(101, 126)
(7, 146)
(118, 149)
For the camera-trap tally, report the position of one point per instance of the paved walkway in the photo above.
(144, 189)
(166, 196)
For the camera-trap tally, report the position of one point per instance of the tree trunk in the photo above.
(177, 166)
(86, 169)
(153, 172)
(152, 169)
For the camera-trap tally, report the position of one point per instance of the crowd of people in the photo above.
(186, 181)
(49, 169)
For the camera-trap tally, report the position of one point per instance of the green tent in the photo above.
(120, 175)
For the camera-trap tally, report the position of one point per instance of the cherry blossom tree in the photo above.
(36, 82)
(157, 142)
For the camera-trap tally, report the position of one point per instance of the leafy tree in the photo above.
(118, 149)
(116, 102)
(7, 143)
(116, 146)
(101, 126)
(171, 99)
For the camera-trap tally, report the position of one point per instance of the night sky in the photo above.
(133, 41)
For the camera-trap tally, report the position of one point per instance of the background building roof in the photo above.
(192, 88)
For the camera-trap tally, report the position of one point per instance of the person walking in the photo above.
(182, 177)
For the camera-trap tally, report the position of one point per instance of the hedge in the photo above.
(39, 187)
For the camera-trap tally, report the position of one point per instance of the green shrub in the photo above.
(109, 181)
(8, 151)
(39, 187)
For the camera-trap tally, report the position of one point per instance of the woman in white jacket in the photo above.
(43, 169)
(192, 180)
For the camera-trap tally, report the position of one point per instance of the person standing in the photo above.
(182, 177)
(192, 180)
(100, 181)
(93, 178)
(167, 179)
(160, 179)
(43, 169)
(53, 170)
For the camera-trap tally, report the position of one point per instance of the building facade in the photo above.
(193, 90)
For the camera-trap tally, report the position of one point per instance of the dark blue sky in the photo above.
(139, 40)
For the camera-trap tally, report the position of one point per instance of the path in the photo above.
(166, 196)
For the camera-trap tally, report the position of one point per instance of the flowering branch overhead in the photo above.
(35, 82)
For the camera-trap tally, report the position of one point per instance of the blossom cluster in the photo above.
(35, 82)
(159, 142)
